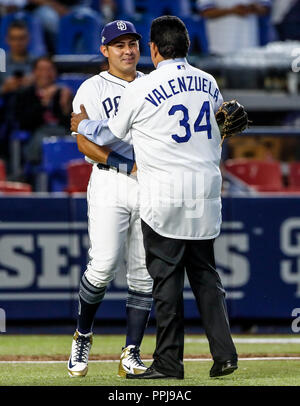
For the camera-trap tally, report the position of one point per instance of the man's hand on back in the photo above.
(77, 118)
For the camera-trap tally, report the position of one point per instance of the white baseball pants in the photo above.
(114, 228)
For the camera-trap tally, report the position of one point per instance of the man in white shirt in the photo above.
(232, 24)
(170, 118)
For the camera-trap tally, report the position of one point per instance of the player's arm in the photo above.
(88, 95)
(97, 131)
(92, 135)
(106, 131)
(85, 105)
(104, 154)
(91, 150)
(88, 148)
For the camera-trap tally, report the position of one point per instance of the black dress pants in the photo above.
(166, 260)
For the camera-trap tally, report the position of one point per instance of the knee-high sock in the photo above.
(90, 298)
(138, 307)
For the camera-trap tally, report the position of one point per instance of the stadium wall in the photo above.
(44, 249)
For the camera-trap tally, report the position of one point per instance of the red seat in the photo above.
(2, 170)
(294, 174)
(15, 187)
(79, 172)
(264, 176)
(294, 177)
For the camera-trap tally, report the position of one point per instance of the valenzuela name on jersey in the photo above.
(180, 85)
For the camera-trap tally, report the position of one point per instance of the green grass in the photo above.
(250, 373)
(111, 344)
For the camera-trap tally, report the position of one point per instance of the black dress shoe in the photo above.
(151, 373)
(223, 368)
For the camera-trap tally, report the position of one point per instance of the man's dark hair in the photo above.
(170, 36)
(43, 58)
(20, 24)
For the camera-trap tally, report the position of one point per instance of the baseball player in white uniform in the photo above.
(113, 208)
(170, 118)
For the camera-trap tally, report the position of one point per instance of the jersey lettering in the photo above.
(180, 85)
(151, 100)
(158, 95)
(184, 122)
(116, 103)
(108, 106)
(173, 87)
(204, 127)
(111, 106)
(190, 78)
(165, 93)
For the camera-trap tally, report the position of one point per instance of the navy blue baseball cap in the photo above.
(115, 29)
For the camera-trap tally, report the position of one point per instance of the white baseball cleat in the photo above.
(130, 361)
(78, 361)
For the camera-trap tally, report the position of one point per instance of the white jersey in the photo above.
(170, 115)
(115, 234)
(100, 96)
(231, 33)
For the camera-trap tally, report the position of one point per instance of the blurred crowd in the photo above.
(31, 100)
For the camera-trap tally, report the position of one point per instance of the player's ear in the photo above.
(104, 50)
(154, 52)
(153, 48)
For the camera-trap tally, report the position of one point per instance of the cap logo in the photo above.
(121, 25)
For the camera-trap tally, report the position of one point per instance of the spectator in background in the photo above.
(49, 13)
(18, 59)
(285, 17)
(232, 24)
(10, 6)
(108, 9)
(43, 108)
(17, 74)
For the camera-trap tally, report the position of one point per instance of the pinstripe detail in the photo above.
(116, 83)
(139, 300)
(89, 293)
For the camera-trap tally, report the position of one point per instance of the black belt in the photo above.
(108, 168)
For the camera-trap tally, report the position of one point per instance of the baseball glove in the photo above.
(232, 118)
